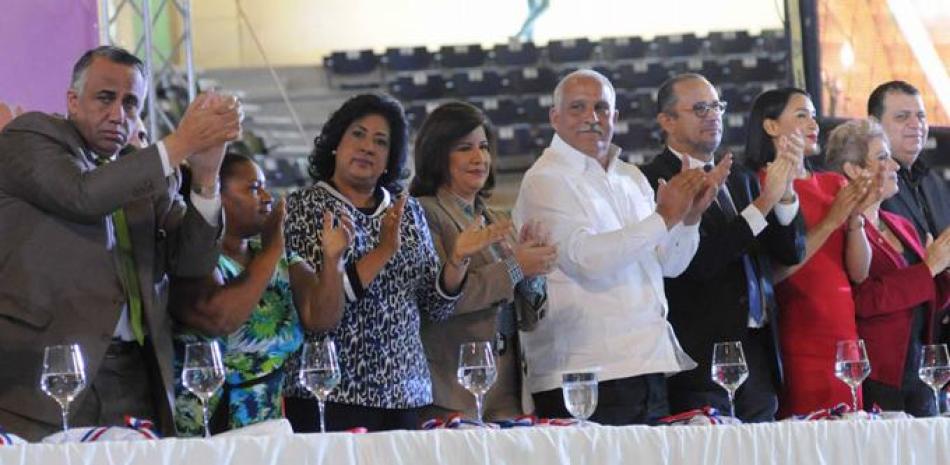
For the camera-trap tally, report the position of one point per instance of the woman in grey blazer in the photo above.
(505, 288)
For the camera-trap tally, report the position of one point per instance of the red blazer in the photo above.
(885, 301)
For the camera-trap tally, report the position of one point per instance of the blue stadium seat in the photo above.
(675, 45)
(461, 56)
(623, 48)
(634, 136)
(418, 86)
(407, 59)
(476, 82)
(637, 75)
(514, 140)
(730, 42)
(532, 80)
(351, 62)
(773, 41)
(759, 69)
(733, 132)
(537, 108)
(516, 54)
(416, 114)
(501, 110)
(570, 50)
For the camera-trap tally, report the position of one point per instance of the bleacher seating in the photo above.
(407, 59)
(512, 82)
(676, 45)
(516, 54)
(462, 56)
(476, 82)
(570, 51)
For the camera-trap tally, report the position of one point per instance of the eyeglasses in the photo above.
(701, 109)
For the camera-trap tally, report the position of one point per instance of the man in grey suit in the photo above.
(89, 239)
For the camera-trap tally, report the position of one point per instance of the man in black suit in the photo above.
(922, 196)
(726, 292)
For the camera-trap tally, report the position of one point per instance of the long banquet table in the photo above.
(905, 442)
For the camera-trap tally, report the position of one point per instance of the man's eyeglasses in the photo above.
(701, 109)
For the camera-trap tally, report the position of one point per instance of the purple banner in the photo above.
(39, 42)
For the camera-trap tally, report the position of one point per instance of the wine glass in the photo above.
(934, 369)
(580, 394)
(319, 372)
(477, 371)
(64, 377)
(729, 369)
(852, 366)
(203, 373)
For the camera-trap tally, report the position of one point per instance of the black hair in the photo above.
(323, 157)
(876, 99)
(439, 132)
(759, 147)
(114, 54)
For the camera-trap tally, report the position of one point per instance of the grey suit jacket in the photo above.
(59, 278)
(486, 287)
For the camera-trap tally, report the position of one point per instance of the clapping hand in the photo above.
(535, 253)
(715, 179)
(475, 237)
(674, 198)
(336, 238)
(389, 238)
(938, 252)
(847, 200)
(272, 236)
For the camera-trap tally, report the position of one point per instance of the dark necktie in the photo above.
(756, 298)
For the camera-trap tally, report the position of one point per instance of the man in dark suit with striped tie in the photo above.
(726, 292)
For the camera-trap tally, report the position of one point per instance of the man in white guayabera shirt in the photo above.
(615, 244)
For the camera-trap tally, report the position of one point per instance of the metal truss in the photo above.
(161, 68)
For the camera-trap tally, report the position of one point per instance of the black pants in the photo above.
(756, 400)
(625, 401)
(303, 415)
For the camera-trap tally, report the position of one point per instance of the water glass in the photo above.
(203, 373)
(729, 369)
(852, 366)
(580, 394)
(319, 372)
(934, 369)
(476, 371)
(64, 376)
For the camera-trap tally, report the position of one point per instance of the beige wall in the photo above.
(303, 31)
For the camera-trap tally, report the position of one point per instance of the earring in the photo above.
(333, 153)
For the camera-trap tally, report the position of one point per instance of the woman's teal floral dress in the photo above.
(254, 355)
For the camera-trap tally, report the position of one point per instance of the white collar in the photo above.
(692, 162)
(580, 160)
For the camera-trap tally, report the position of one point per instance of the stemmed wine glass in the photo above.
(64, 377)
(477, 371)
(729, 369)
(580, 394)
(203, 373)
(852, 366)
(934, 369)
(319, 372)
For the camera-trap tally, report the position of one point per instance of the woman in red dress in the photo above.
(900, 302)
(817, 309)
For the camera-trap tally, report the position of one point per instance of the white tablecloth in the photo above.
(905, 442)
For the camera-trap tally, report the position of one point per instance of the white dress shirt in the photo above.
(607, 308)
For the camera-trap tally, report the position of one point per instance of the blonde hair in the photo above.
(849, 143)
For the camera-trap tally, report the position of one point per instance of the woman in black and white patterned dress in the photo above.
(393, 274)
